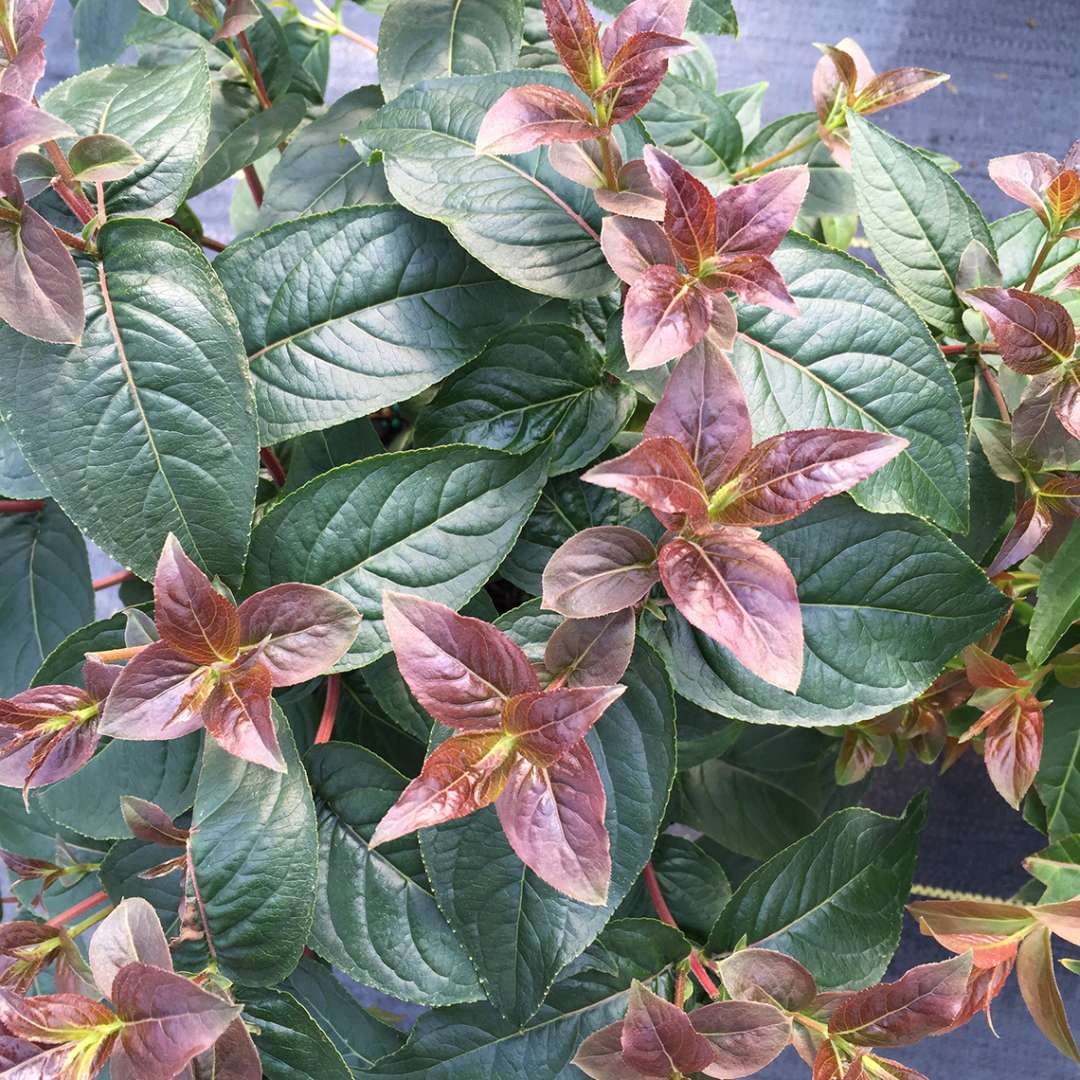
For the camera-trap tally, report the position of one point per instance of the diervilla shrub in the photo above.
(527, 508)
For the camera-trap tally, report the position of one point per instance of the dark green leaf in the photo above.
(701, 734)
(17, 479)
(317, 452)
(834, 900)
(100, 27)
(1018, 239)
(65, 663)
(1058, 780)
(886, 602)
(120, 874)
(693, 883)
(1058, 606)
(440, 520)
(291, 1044)
(147, 427)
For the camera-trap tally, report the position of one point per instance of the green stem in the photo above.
(1044, 251)
(761, 166)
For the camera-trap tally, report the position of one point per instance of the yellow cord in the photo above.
(932, 892)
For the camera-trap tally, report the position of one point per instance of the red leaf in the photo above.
(239, 15)
(1033, 332)
(923, 1002)
(237, 715)
(1012, 749)
(690, 209)
(534, 115)
(631, 246)
(1062, 919)
(459, 776)
(23, 125)
(741, 593)
(768, 976)
(158, 695)
(1067, 400)
(984, 984)
(1061, 495)
(599, 571)
(189, 613)
(168, 1020)
(660, 473)
(896, 87)
(987, 672)
(554, 821)
(992, 932)
(147, 821)
(592, 652)
(546, 725)
(99, 678)
(787, 474)
(1025, 177)
(658, 1038)
(302, 630)
(664, 316)
(1033, 522)
(1038, 437)
(745, 1035)
(50, 1019)
(462, 670)
(232, 1057)
(582, 162)
(753, 279)
(576, 38)
(637, 197)
(600, 1056)
(841, 71)
(659, 16)
(637, 69)
(130, 933)
(41, 292)
(704, 409)
(752, 219)
(1039, 989)
(22, 958)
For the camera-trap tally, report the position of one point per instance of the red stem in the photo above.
(211, 244)
(658, 901)
(956, 350)
(329, 712)
(110, 580)
(256, 74)
(78, 909)
(254, 184)
(200, 905)
(273, 465)
(21, 506)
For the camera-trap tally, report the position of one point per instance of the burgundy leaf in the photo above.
(66, 1061)
(986, 672)
(22, 73)
(237, 715)
(660, 473)
(784, 476)
(22, 956)
(642, 16)
(637, 69)
(1012, 749)
(600, 1056)
(704, 409)
(768, 976)
(1033, 332)
(690, 209)
(189, 613)
(99, 678)
(51, 1019)
(1070, 281)
(41, 292)
(599, 571)
(1067, 400)
(1025, 177)
(1038, 436)
(461, 775)
(924, 1001)
(834, 78)
(829, 1064)
(239, 16)
(147, 821)
(547, 725)
(462, 670)
(740, 592)
(658, 1038)
(1033, 522)
(303, 630)
(632, 245)
(554, 821)
(896, 87)
(168, 1020)
(636, 197)
(753, 279)
(23, 125)
(158, 695)
(534, 115)
(990, 931)
(232, 1057)
(1063, 195)
(664, 316)
(1039, 989)
(582, 162)
(15, 1052)
(752, 219)
(576, 38)
(592, 652)
(984, 984)
(745, 1036)
(1061, 494)
(1062, 919)
(131, 933)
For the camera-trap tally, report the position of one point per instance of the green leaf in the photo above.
(65, 663)
(253, 847)
(162, 772)
(706, 16)
(29, 832)
(858, 357)
(164, 113)
(147, 427)
(520, 932)
(100, 27)
(1058, 780)
(693, 883)
(1018, 239)
(427, 39)
(475, 1041)
(361, 1039)
(102, 157)
(291, 1044)
(887, 601)
(17, 479)
(45, 590)
(407, 307)
(388, 933)
(531, 384)
(702, 735)
(1058, 606)
(767, 791)
(919, 221)
(317, 452)
(834, 900)
(516, 215)
(321, 169)
(438, 520)
(241, 137)
(121, 876)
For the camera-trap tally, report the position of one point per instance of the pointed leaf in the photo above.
(752, 219)
(896, 87)
(147, 821)
(529, 116)
(638, 68)
(1039, 988)
(549, 724)
(1012, 749)
(1033, 522)
(237, 714)
(130, 933)
(576, 38)
(100, 158)
(754, 280)
(990, 931)
(665, 315)
(642, 16)
(1033, 332)
(24, 126)
(745, 1035)
(632, 245)
(690, 210)
(600, 1056)
(1038, 437)
(658, 1037)
(1025, 177)
(768, 976)
(592, 652)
